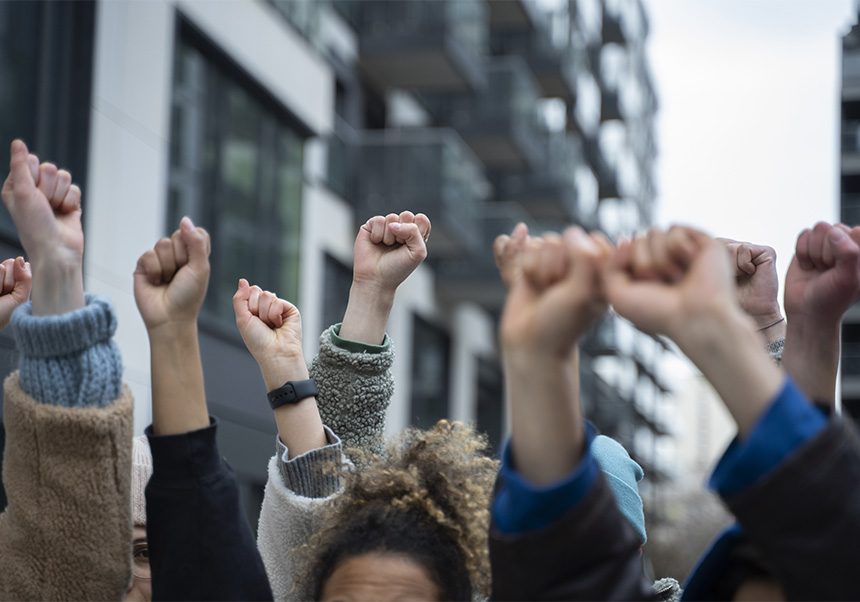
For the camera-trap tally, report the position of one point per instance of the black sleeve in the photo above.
(591, 553)
(804, 516)
(201, 545)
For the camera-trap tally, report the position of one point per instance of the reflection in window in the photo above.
(430, 373)
(236, 169)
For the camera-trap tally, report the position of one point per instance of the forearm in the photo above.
(367, 313)
(727, 350)
(58, 285)
(547, 432)
(811, 357)
(300, 427)
(178, 391)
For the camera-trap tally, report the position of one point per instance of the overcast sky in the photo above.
(748, 122)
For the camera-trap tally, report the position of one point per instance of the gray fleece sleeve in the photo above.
(70, 359)
(355, 387)
(312, 474)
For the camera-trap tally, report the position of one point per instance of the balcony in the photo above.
(476, 277)
(552, 64)
(424, 45)
(513, 14)
(500, 122)
(607, 176)
(549, 191)
(424, 170)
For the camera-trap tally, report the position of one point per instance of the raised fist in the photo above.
(170, 280)
(15, 281)
(388, 249)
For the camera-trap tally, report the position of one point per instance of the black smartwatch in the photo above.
(292, 392)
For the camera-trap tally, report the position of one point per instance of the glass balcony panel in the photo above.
(850, 209)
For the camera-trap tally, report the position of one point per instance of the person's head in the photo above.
(411, 523)
(140, 586)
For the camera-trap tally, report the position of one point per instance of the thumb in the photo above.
(196, 241)
(412, 238)
(20, 168)
(23, 278)
(240, 301)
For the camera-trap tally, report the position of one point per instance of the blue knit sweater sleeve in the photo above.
(69, 359)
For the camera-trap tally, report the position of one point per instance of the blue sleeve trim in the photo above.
(789, 422)
(520, 506)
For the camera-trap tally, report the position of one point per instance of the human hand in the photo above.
(823, 279)
(666, 282)
(15, 281)
(46, 209)
(558, 296)
(757, 281)
(508, 252)
(170, 280)
(272, 331)
(388, 249)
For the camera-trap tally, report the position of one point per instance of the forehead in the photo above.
(379, 576)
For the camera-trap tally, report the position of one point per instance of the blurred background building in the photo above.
(283, 125)
(850, 209)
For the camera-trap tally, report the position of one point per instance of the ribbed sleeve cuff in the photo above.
(355, 346)
(313, 474)
(187, 458)
(70, 360)
(63, 334)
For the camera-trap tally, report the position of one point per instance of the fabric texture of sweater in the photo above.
(66, 533)
(354, 382)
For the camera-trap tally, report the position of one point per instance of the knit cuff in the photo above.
(63, 334)
(355, 346)
(70, 359)
(314, 474)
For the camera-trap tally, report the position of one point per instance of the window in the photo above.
(490, 401)
(235, 169)
(430, 373)
(338, 280)
(45, 86)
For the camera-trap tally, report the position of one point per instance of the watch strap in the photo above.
(293, 391)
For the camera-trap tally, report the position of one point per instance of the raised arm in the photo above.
(758, 288)
(68, 419)
(699, 311)
(352, 369)
(822, 282)
(201, 545)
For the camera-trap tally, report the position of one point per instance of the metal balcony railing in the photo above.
(421, 44)
(500, 123)
(424, 170)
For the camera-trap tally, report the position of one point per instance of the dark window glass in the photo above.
(338, 280)
(235, 169)
(431, 355)
(490, 401)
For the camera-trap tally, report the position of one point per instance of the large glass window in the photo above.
(431, 353)
(235, 169)
(490, 401)
(338, 281)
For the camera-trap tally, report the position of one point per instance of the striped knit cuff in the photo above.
(312, 474)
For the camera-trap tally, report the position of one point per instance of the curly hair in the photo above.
(426, 496)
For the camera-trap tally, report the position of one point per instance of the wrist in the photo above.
(367, 312)
(58, 287)
(277, 371)
(172, 332)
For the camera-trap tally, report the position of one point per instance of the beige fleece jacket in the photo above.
(66, 533)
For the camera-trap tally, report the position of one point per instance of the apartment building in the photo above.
(850, 209)
(282, 125)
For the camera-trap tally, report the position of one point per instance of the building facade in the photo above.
(282, 125)
(849, 188)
